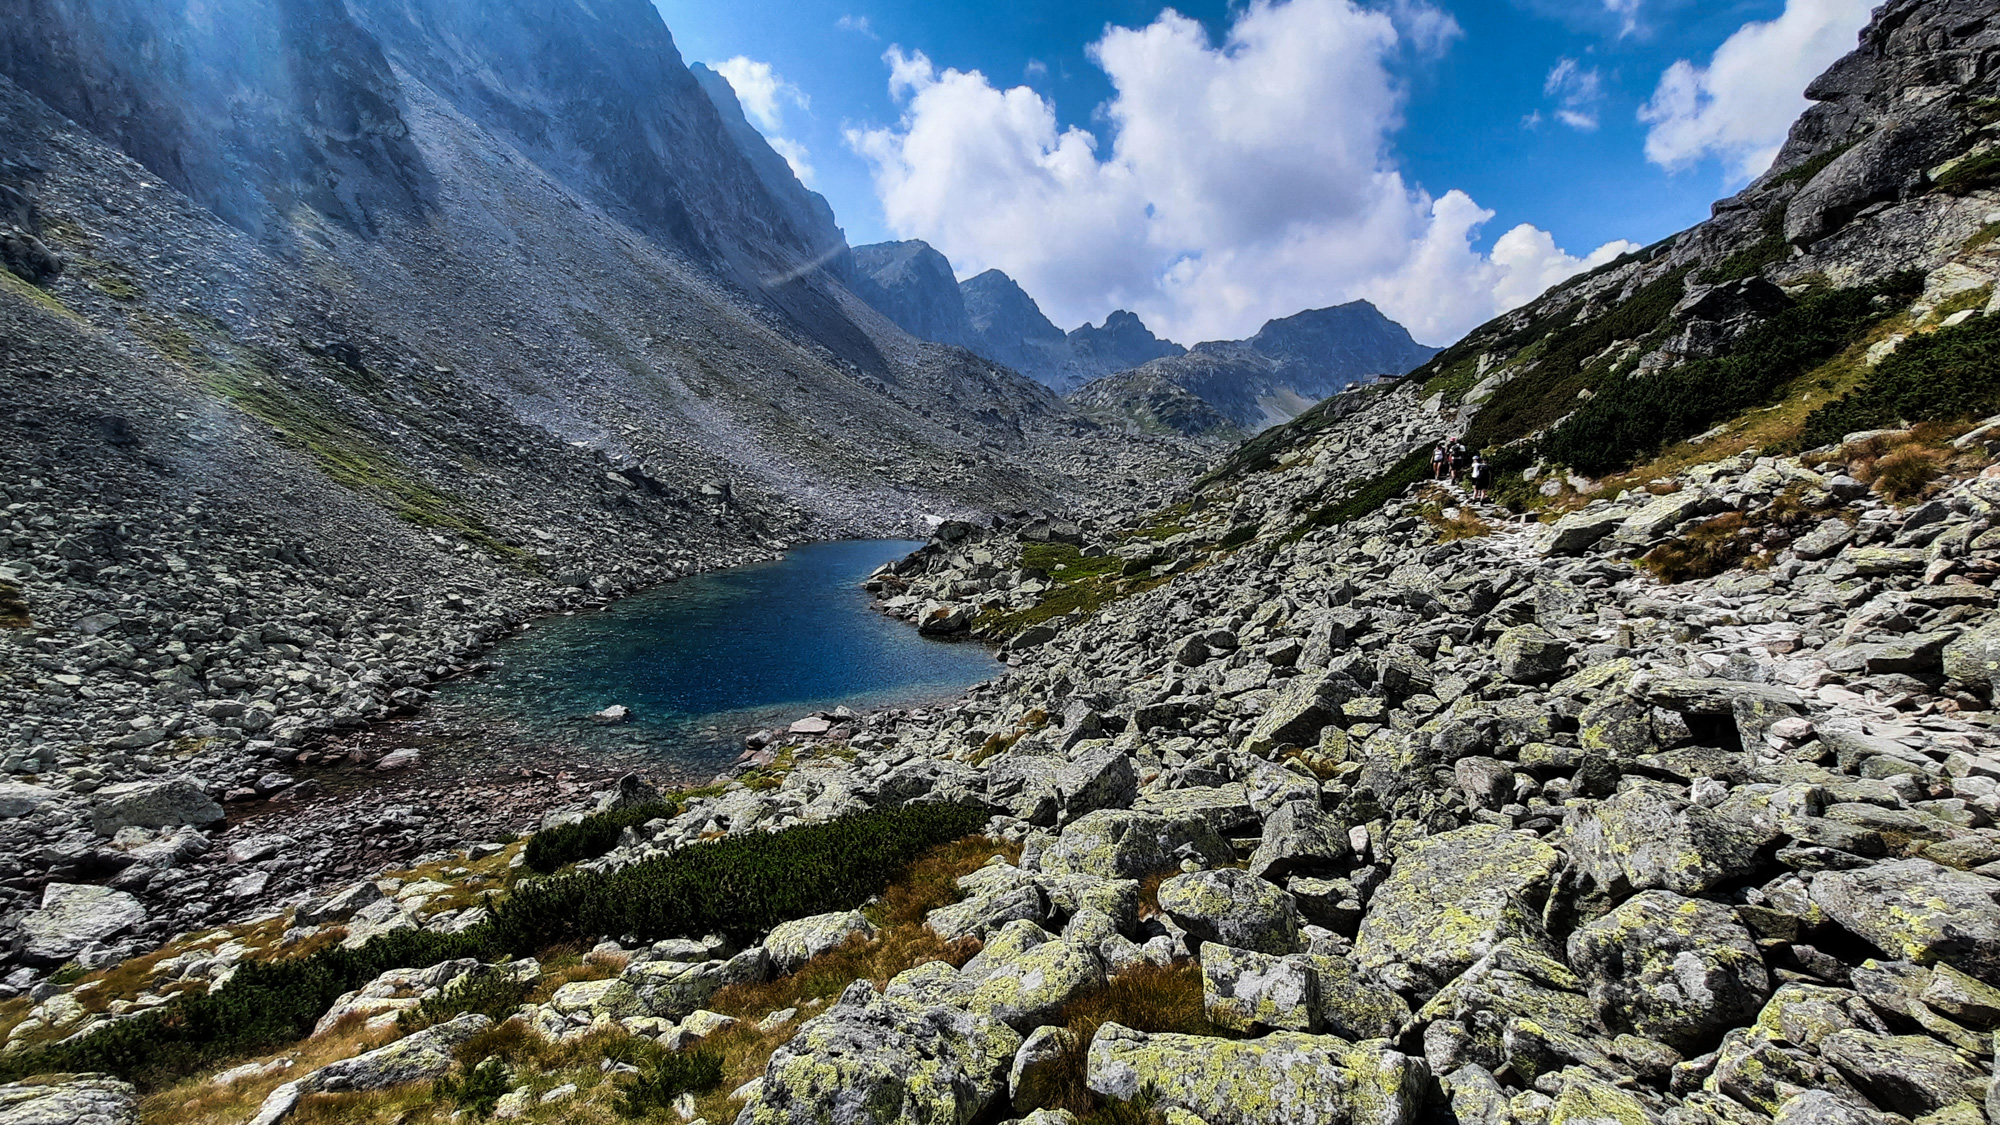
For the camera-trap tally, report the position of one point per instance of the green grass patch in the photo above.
(555, 848)
(1949, 374)
(1804, 172)
(740, 886)
(1971, 173)
(117, 288)
(1632, 418)
(37, 296)
(1064, 563)
(666, 1075)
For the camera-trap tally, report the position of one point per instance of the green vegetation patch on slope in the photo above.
(1261, 453)
(1077, 584)
(13, 608)
(739, 885)
(552, 849)
(1573, 361)
(1953, 373)
(1634, 417)
(1368, 496)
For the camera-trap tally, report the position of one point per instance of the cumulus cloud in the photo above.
(1243, 180)
(1577, 90)
(1739, 107)
(764, 96)
(856, 24)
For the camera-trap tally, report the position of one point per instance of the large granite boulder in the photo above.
(1284, 1078)
(160, 803)
(1120, 844)
(72, 917)
(792, 944)
(1232, 907)
(83, 1100)
(1449, 900)
(1647, 837)
(1678, 970)
(873, 1060)
(1919, 910)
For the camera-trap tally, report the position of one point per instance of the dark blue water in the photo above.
(708, 659)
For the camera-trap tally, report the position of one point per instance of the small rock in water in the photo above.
(612, 715)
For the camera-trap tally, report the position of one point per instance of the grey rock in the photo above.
(1284, 1077)
(73, 916)
(1675, 969)
(1529, 654)
(1647, 837)
(80, 1100)
(1919, 910)
(1102, 778)
(1232, 907)
(1117, 844)
(1449, 900)
(792, 944)
(885, 1060)
(166, 803)
(1913, 1075)
(1244, 990)
(1299, 839)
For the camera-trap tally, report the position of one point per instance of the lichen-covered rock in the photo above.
(1299, 839)
(672, 989)
(1973, 660)
(980, 914)
(1819, 1107)
(1530, 654)
(1588, 1099)
(81, 1100)
(1036, 1066)
(1674, 969)
(1647, 837)
(1919, 910)
(793, 943)
(1353, 1004)
(1302, 707)
(1244, 990)
(1027, 989)
(1913, 1075)
(1518, 987)
(874, 1062)
(615, 998)
(1120, 844)
(1449, 900)
(1284, 1078)
(1225, 808)
(1232, 907)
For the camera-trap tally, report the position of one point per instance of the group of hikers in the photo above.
(1450, 458)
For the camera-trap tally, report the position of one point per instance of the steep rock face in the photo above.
(1268, 379)
(814, 214)
(912, 284)
(249, 106)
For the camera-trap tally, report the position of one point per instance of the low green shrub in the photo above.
(479, 1090)
(740, 885)
(1632, 418)
(665, 1076)
(1970, 174)
(1953, 373)
(552, 849)
(487, 990)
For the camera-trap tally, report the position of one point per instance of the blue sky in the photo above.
(1530, 108)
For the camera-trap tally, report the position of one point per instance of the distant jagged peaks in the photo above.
(1124, 342)
(913, 285)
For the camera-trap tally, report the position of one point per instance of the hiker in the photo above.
(1457, 461)
(1437, 460)
(1478, 477)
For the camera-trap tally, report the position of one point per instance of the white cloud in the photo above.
(764, 96)
(1739, 107)
(857, 24)
(1627, 14)
(1244, 180)
(1427, 29)
(1577, 89)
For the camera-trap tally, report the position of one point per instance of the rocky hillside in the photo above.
(1249, 385)
(1773, 323)
(276, 456)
